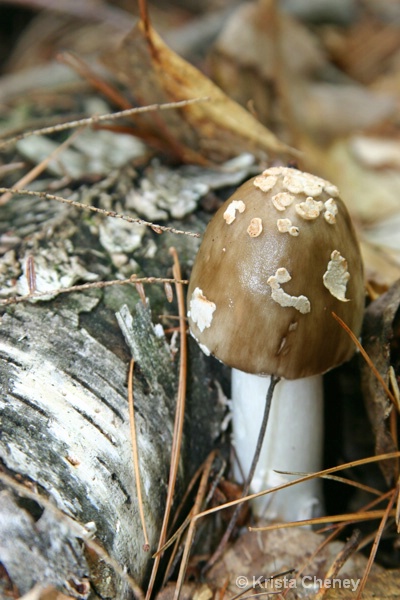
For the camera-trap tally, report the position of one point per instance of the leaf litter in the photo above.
(218, 130)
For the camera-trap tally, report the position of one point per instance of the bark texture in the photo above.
(65, 424)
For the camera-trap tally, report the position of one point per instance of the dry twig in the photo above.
(108, 213)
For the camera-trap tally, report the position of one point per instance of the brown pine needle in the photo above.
(386, 514)
(183, 501)
(86, 72)
(339, 527)
(135, 455)
(366, 358)
(368, 515)
(93, 120)
(38, 169)
(398, 513)
(349, 465)
(192, 527)
(178, 424)
(348, 549)
(395, 387)
(345, 480)
(90, 286)
(328, 539)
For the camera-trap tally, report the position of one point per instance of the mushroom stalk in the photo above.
(293, 442)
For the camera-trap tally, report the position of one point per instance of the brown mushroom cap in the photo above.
(277, 258)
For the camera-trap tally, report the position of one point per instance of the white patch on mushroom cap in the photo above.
(336, 276)
(310, 209)
(298, 182)
(286, 226)
(300, 303)
(255, 228)
(265, 182)
(331, 189)
(201, 310)
(331, 210)
(204, 349)
(274, 171)
(282, 200)
(230, 212)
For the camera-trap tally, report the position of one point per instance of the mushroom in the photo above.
(276, 260)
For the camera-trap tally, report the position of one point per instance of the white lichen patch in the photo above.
(331, 210)
(336, 276)
(282, 200)
(310, 209)
(230, 212)
(300, 303)
(286, 226)
(255, 228)
(265, 183)
(201, 309)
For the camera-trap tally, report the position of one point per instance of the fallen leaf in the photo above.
(257, 555)
(209, 131)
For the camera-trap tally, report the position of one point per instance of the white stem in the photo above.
(293, 442)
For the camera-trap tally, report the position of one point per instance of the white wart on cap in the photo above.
(277, 258)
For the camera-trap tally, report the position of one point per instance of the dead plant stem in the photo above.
(178, 424)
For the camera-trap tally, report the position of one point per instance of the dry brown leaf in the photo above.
(372, 195)
(263, 554)
(189, 591)
(378, 337)
(366, 49)
(244, 60)
(379, 585)
(211, 131)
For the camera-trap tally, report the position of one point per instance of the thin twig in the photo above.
(38, 169)
(178, 424)
(93, 120)
(236, 513)
(133, 280)
(108, 213)
(135, 455)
